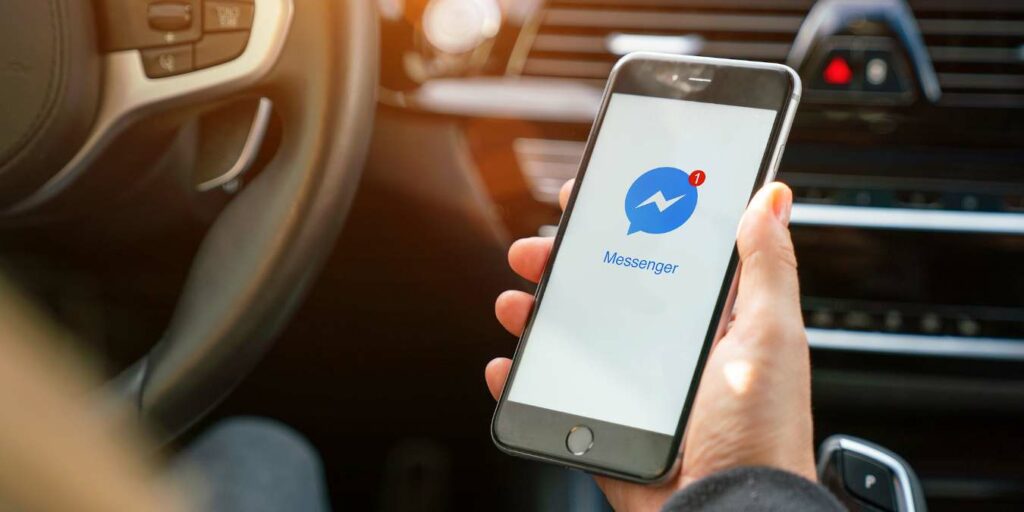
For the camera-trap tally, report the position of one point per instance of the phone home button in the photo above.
(580, 440)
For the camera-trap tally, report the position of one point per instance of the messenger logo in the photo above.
(661, 200)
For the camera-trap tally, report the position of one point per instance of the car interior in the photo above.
(300, 210)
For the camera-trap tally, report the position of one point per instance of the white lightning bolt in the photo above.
(658, 199)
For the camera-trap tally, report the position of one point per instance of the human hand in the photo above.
(753, 406)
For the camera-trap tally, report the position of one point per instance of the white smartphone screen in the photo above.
(632, 291)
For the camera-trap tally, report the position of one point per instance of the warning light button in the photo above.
(837, 71)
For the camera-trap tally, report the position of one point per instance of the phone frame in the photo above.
(639, 456)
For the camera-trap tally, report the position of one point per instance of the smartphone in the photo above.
(643, 263)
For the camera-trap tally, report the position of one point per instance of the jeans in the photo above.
(252, 465)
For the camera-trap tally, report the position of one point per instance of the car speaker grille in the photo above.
(977, 45)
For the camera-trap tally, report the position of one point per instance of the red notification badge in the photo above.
(697, 178)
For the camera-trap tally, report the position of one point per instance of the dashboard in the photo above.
(913, 209)
(906, 159)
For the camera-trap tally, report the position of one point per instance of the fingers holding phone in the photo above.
(753, 404)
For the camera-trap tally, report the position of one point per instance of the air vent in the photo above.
(977, 48)
(977, 45)
(575, 38)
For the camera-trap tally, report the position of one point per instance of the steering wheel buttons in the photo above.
(215, 49)
(167, 61)
(132, 24)
(219, 16)
(170, 16)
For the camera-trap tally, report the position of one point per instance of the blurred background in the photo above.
(906, 159)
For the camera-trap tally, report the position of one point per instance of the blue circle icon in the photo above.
(660, 200)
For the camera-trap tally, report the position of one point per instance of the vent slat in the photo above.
(960, 99)
(747, 50)
(598, 45)
(971, 27)
(981, 81)
(652, 20)
(776, 5)
(976, 55)
(963, 6)
(568, 68)
(569, 44)
(924, 6)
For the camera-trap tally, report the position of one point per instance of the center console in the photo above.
(908, 173)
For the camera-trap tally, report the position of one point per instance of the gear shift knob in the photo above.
(867, 477)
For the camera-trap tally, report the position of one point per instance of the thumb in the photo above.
(768, 279)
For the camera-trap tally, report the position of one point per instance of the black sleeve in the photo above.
(751, 490)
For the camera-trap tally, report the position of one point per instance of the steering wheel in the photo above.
(70, 100)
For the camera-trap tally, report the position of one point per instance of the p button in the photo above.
(580, 440)
(869, 481)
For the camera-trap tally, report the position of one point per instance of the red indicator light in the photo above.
(697, 178)
(837, 72)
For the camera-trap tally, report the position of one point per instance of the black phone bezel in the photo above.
(683, 78)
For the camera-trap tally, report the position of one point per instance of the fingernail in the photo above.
(782, 204)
